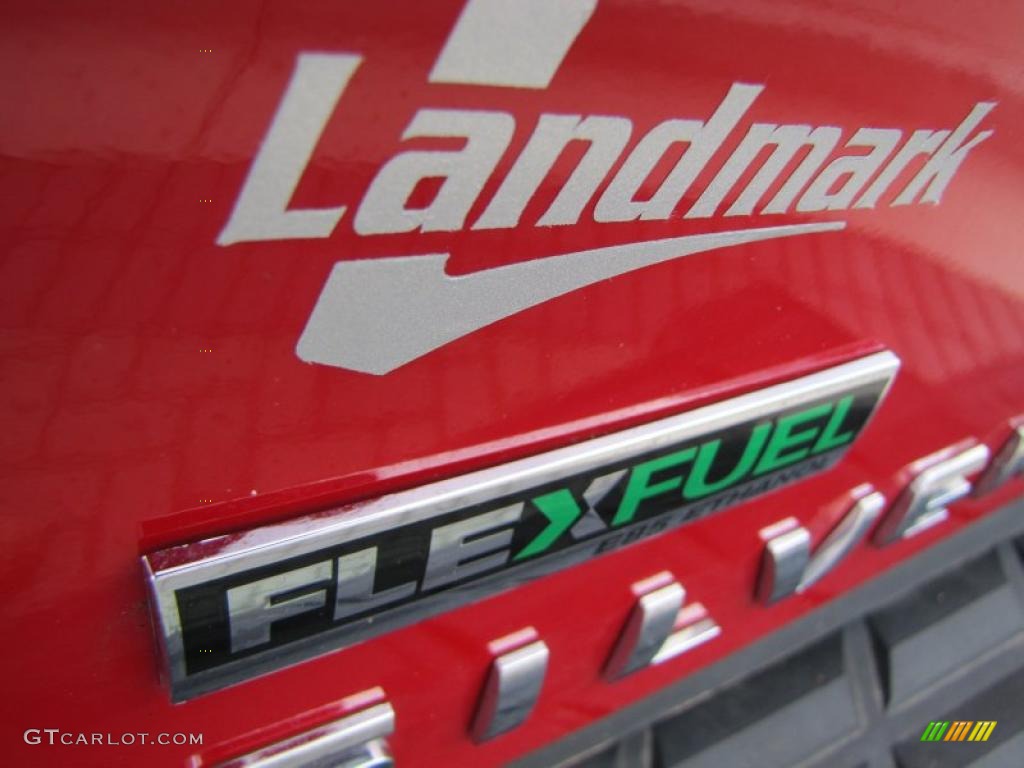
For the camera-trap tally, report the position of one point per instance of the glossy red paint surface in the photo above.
(151, 393)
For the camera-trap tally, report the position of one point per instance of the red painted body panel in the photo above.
(151, 394)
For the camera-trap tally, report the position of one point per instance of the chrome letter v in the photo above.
(375, 315)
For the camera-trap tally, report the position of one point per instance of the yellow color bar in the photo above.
(982, 730)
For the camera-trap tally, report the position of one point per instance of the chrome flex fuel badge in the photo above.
(239, 605)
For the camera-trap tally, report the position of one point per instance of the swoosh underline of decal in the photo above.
(375, 315)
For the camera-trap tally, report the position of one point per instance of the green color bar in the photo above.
(935, 730)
